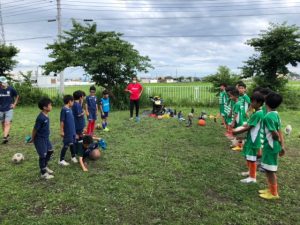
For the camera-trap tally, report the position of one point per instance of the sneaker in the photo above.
(102, 144)
(269, 196)
(248, 180)
(106, 129)
(63, 163)
(264, 191)
(137, 119)
(47, 176)
(5, 140)
(74, 160)
(245, 174)
(49, 171)
(131, 118)
(237, 148)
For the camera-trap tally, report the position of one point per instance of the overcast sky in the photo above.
(182, 37)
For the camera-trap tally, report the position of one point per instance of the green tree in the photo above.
(277, 47)
(223, 75)
(104, 56)
(7, 63)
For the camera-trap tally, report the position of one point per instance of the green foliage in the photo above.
(224, 75)
(291, 99)
(107, 58)
(7, 63)
(28, 94)
(276, 48)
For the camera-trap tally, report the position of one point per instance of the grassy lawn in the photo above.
(154, 172)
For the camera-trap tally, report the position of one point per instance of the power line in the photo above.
(26, 5)
(28, 21)
(35, 8)
(31, 38)
(24, 13)
(2, 26)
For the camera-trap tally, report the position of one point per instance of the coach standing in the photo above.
(8, 101)
(135, 89)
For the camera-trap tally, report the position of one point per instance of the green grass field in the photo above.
(153, 172)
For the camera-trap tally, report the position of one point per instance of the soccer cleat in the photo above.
(102, 144)
(264, 191)
(63, 163)
(248, 180)
(131, 118)
(137, 119)
(47, 176)
(269, 196)
(49, 171)
(74, 160)
(237, 148)
(106, 129)
(5, 140)
(245, 174)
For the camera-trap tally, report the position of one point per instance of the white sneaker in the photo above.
(63, 163)
(74, 160)
(47, 176)
(49, 171)
(245, 174)
(248, 180)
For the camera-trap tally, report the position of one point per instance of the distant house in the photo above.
(170, 81)
(47, 81)
(153, 81)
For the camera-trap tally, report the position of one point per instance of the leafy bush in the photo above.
(28, 94)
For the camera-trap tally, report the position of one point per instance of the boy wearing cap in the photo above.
(8, 101)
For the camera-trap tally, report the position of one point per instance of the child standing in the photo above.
(253, 141)
(228, 112)
(237, 114)
(78, 114)
(67, 130)
(222, 101)
(104, 109)
(40, 138)
(273, 145)
(92, 110)
(244, 99)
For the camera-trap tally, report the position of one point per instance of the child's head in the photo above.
(241, 87)
(45, 104)
(265, 91)
(68, 100)
(257, 89)
(273, 100)
(77, 95)
(105, 94)
(134, 79)
(87, 140)
(93, 90)
(234, 94)
(229, 89)
(257, 100)
(223, 86)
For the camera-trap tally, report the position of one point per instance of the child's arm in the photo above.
(142, 89)
(234, 120)
(281, 140)
(62, 129)
(83, 167)
(33, 135)
(101, 108)
(245, 128)
(87, 109)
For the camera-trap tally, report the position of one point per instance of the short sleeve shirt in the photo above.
(82, 152)
(104, 102)
(222, 98)
(253, 135)
(245, 102)
(238, 110)
(42, 126)
(66, 116)
(135, 90)
(91, 102)
(271, 123)
(78, 116)
(7, 98)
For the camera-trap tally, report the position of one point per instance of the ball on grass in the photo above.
(201, 122)
(18, 158)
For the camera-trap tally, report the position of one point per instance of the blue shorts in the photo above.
(92, 116)
(6, 116)
(42, 146)
(69, 140)
(104, 115)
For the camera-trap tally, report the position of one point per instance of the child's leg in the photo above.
(89, 127)
(103, 123)
(63, 152)
(93, 127)
(272, 179)
(131, 108)
(72, 149)
(42, 164)
(252, 169)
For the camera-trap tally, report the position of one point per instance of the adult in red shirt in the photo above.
(135, 89)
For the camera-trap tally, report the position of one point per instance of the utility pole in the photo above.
(59, 32)
(2, 40)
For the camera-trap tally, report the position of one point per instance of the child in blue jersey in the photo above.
(91, 110)
(67, 130)
(78, 114)
(40, 137)
(104, 109)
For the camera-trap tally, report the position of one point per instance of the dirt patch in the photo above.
(215, 196)
(64, 209)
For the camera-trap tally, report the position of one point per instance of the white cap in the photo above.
(3, 80)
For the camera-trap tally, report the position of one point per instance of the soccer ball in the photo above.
(201, 122)
(17, 158)
(98, 126)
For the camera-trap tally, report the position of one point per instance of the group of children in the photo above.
(256, 116)
(79, 140)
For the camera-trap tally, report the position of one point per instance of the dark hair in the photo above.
(258, 97)
(77, 95)
(241, 84)
(92, 88)
(83, 94)
(105, 92)
(229, 88)
(87, 140)
(234, 92)
(257, 89)
(44, 102)
(265, 91)
(273, 100)
(68, 98)
(223, 84)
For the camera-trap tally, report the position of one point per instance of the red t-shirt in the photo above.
(135, 90)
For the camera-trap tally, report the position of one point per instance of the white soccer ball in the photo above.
(17, 158)
(288, 130)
